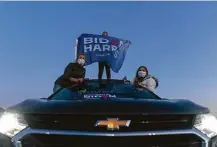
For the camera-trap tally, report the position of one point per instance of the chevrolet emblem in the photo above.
(113, 123)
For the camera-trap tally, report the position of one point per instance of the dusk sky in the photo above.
(177, 41)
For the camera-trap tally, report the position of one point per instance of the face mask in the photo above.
(142, 74)
(81, 61)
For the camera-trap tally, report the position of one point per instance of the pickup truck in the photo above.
(114, 114)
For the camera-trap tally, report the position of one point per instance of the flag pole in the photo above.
(76, 48)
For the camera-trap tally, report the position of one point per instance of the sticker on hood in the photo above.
(97, 96)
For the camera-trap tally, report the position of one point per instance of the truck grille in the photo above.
(87, 122)
(36, 140)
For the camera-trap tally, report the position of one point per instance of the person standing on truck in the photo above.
(103, 64)
(74, 73)
(143, 79)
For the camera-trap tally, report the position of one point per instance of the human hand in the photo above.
(80, 80)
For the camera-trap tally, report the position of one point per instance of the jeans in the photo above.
(56, 87)
(101, 69)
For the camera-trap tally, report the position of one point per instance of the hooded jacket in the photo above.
(73, 70)
(150, 82)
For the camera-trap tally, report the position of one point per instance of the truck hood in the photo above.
(114, 106)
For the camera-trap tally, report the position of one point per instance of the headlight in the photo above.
(11, 124)
(207, 124)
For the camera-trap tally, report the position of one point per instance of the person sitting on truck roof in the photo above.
(143, 79)
(74, 73)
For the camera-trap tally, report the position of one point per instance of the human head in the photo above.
(105, 33)
(81, 59)
(142, 72)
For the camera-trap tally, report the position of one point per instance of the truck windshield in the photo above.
(93, 90)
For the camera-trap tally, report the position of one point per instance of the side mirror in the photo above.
(43, 98)
(127, 82)
(164, 99)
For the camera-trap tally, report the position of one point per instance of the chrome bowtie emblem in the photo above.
(113, 123)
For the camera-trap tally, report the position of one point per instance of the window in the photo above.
(92, 90)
